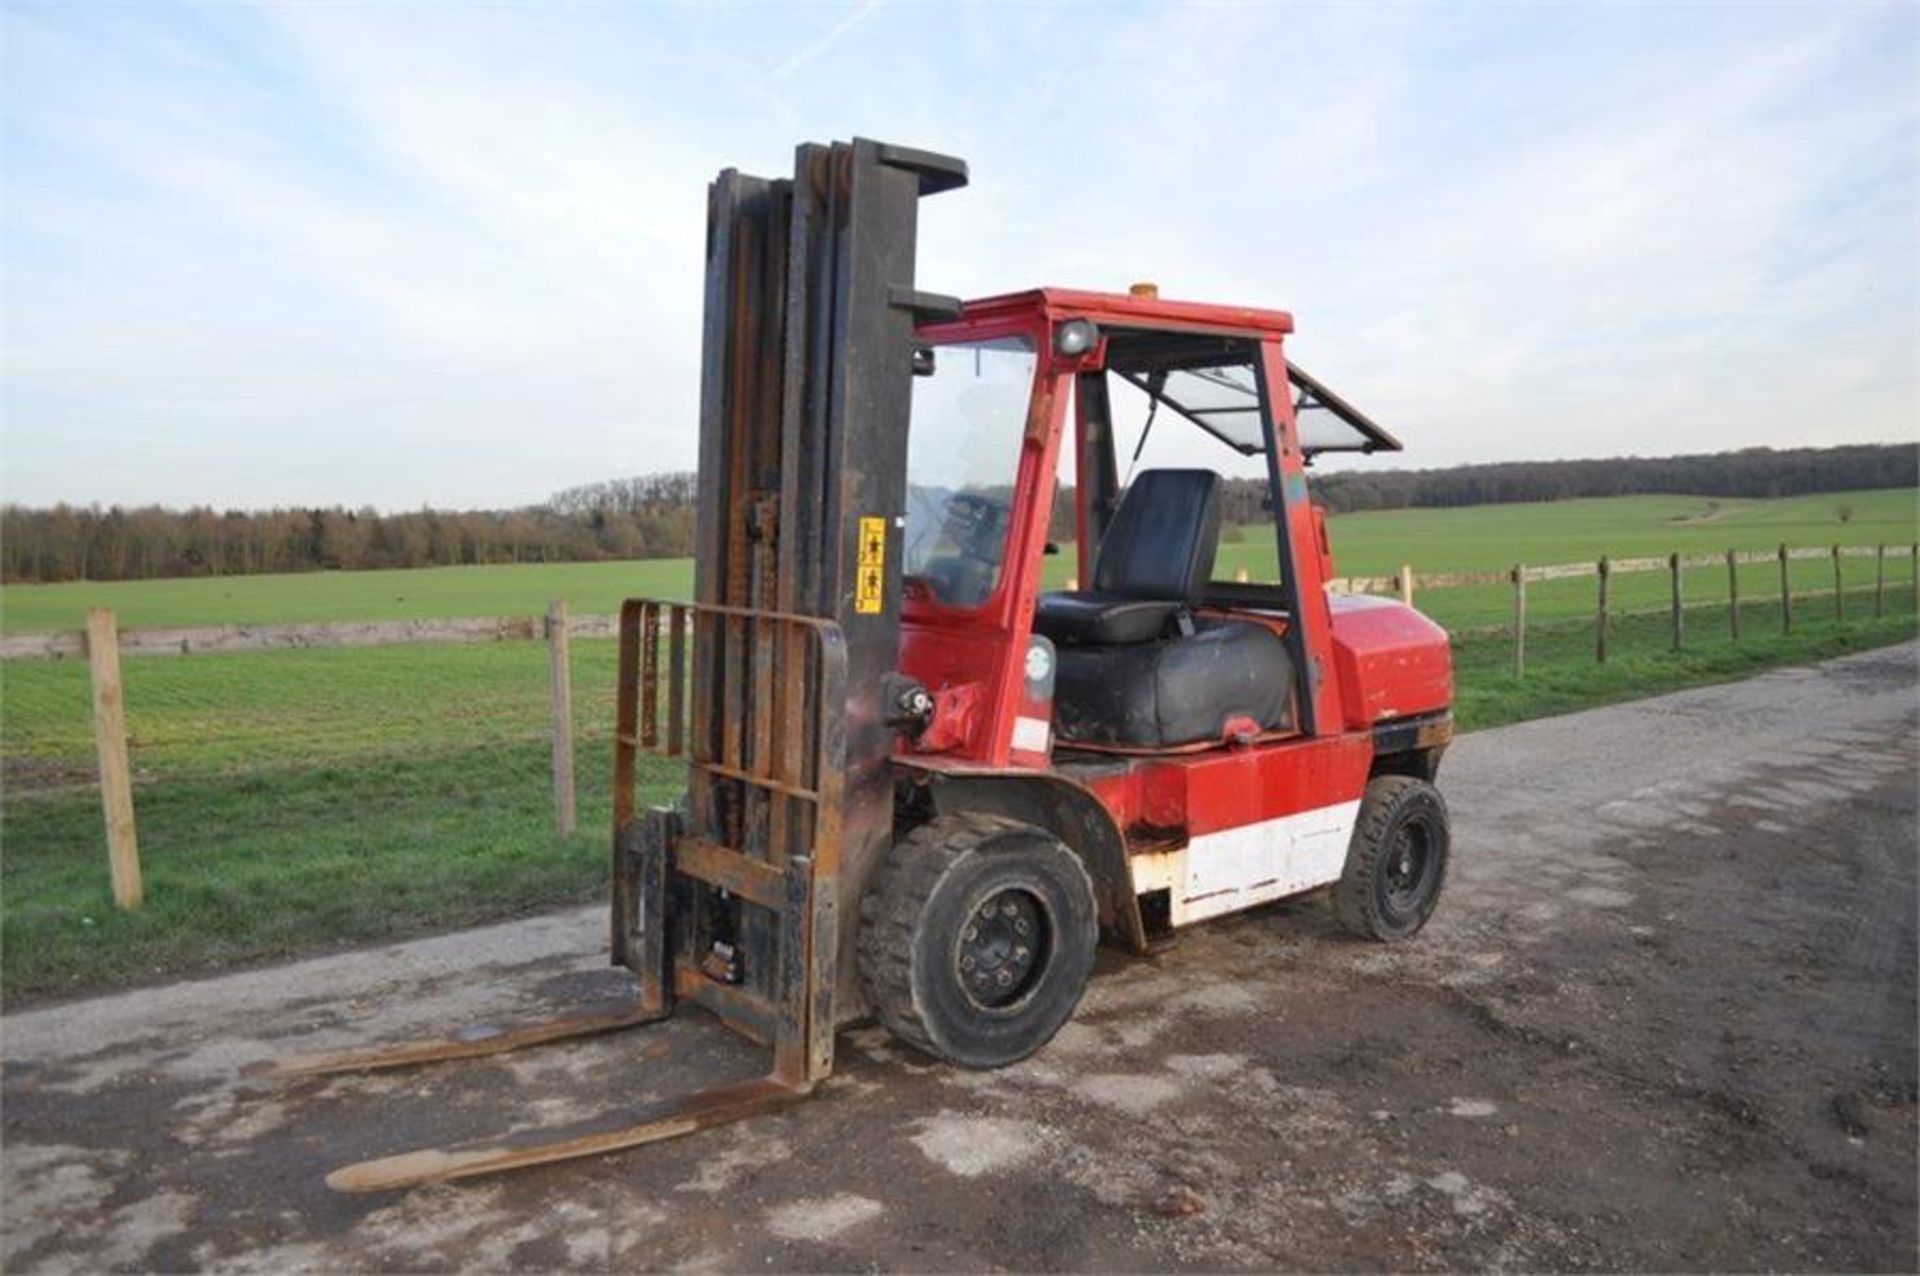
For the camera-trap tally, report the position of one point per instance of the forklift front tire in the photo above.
(977, 939)
(1397, 861)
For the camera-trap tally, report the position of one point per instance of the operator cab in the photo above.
(1147, 651)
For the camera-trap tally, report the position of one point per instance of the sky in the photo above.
(451, 255)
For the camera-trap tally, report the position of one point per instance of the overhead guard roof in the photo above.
(1328, 422)
(1123, 308)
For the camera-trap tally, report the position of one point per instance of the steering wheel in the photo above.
(977, 525)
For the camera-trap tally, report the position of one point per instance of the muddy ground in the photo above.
(1664, 1019)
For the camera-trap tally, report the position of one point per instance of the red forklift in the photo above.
(921, 788)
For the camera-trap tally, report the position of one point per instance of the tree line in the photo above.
(652, 516)
(649, 517)
(1751, 472)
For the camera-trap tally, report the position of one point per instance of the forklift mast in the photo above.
(779, 680)
(794, 629)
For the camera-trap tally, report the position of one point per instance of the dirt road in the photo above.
(1664, 1019)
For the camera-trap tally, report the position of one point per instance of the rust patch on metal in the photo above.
(722, 866)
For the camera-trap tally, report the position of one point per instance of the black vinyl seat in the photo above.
(1152, 566)
(1227, 676)
(1136, 669)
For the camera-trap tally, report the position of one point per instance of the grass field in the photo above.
(298, 799)
(519, 590)
(1473, 539)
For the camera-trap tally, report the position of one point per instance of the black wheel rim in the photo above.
(1003, 948)
(1408, 869)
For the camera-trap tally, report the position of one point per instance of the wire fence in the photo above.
(1741, 587)
(503, 719)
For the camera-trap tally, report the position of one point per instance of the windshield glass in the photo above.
(963, 450)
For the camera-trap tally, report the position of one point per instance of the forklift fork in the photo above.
(672, 883)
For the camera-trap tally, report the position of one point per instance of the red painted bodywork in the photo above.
(1390, 661)
(1368, 658)
(1168, 800)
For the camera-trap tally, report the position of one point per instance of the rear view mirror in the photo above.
(923, 361)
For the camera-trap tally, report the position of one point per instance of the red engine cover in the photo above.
(1392, 662)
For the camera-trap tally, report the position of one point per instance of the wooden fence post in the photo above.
(1879, 581)
(1406, 583)
(1839, 588)
(1600, 637)
(1519, 620)
(1679, 622)
(1913, 571)
(1786, 595)
(110, 740)
(559, 669)
(1733, 593)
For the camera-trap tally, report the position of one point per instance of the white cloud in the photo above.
(337, 253)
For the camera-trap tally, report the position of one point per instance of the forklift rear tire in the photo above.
(977, 939)
(1397, 861)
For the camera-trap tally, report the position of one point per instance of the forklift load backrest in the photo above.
(1153, 563)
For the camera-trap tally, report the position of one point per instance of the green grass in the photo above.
(1495, 537)
(1474, 539)
(245, 868)
(265, 709)
(294, 800)
(1562, 675)
(1487, 537)
(428, 592)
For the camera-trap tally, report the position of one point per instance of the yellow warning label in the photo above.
(871, 582)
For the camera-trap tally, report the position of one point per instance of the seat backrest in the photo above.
(1161, 542)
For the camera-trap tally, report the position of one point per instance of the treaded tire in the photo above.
(921, 917)
(1397, 860)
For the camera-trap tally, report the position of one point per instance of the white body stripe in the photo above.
(1233, 869)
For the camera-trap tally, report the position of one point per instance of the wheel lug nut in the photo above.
(1004, 978)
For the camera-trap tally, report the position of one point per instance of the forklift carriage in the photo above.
(920, 788)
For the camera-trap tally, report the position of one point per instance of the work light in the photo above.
(1075, 337)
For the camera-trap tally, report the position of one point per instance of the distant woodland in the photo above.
(652, 517)
(1755, 472)
(648, 517)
